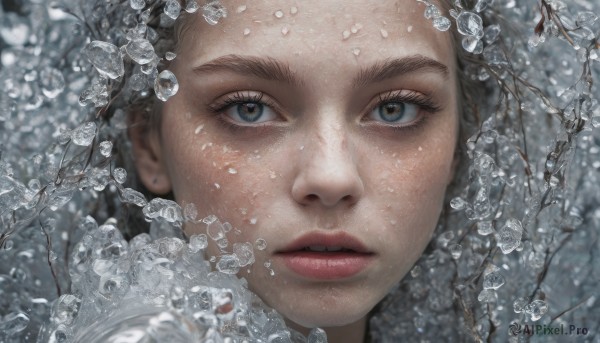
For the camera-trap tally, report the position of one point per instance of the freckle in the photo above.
(409, 28)
(199, 129)
(285, 30)
(241, 9)
(345, 34)
(278, 14)
(384, 33)
(293, 10)
(246, 31)
(356, 51)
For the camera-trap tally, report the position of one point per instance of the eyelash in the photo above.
(424, 102)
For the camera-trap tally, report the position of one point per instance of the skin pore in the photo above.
(288, 127)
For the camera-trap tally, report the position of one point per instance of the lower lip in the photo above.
(326, 266)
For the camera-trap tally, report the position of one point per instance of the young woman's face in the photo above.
(332, 128)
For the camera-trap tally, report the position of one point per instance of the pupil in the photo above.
(250, 111)
(392, 111)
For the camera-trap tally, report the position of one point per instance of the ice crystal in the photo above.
(166, 85)
(106, 57)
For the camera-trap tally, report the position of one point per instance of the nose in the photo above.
(327, 170)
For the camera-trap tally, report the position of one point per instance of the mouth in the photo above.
(326, 256)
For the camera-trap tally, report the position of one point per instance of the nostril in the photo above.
(312, 197)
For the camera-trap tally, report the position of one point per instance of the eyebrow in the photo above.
(271, 69)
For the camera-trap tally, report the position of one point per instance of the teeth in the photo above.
(320, 248)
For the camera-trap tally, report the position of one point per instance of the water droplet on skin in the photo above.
(393, 222)
(267, 264)
(261, 244)
(199, 129)
(272, 272)
(285, 30)
(217, 186)
(241, 9)
(345, 34)
(246, 31)
(278, 14)
(302, 147)
(232, 171)
(384, 33)
(253, 221)
(169, 56)
(409, 28)
(356, 51)
(420, 148)
(293, 10)
(272, 174)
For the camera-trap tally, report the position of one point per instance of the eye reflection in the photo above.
(395, 112)
(250, 112)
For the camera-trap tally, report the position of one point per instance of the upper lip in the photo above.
(330, 239)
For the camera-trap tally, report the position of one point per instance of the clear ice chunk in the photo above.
(140, 50)
(244, 253)
(166, 85)
(106, 58)
(106, 148)
(132, 196)
(441, 23)
(120, 175)
(261, 244)
(213, 12)
(469, 24)
(536, 309)
(192, 6)
(509, 236)
(52, 82)
(228, 264)
(487, 296)
(137, 4)
(172, 9)
(317, 335)
(493, 280)
(13, 323)
(84, 134)
(198, 242)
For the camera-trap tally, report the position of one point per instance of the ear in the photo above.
(147, 155)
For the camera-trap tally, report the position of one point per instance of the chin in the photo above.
(323, 314)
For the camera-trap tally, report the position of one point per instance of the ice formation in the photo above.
(516, 246)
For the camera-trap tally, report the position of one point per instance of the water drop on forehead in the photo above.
(166, 85)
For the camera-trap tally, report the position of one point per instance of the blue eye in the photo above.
(395, 112)
(246, 108)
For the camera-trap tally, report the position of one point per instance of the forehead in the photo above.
(344, 32)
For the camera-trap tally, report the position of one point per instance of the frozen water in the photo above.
(509, 236)
(472, 44)
(215, 231)
(106, 148)
(133, 197)
(166, 85)
(244, 252)
(84, 134)
(455, 251)
(536, 309)
(140, 50)
(120, 175)
(172, 9)
(169, 56)
(52, 82)
(278, 14)
(487, 296)
(106, 58)
(469, 24)
(213, 12)
(491, 33)
(441, 23)
(317, 335)
(198, 242)
(432, 12)
(260, 244)
(13, 323)
(192, 6)
(228, 264)
(485, 227)
(493, 280)
(137, 4)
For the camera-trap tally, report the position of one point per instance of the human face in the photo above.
(334, 141)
